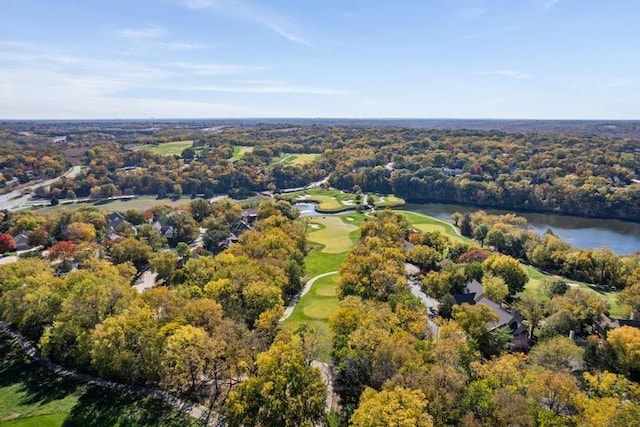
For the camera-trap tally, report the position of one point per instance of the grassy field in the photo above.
(314, 310)
(334, 201)
(296, 158)
(165, 148)
(31, 396)
(239, 151)
(537, 279)
(426, 223)
(139, 203)
(329, 244)
(332, 232)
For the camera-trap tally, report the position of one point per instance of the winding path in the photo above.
(292, 305)
(29, 349)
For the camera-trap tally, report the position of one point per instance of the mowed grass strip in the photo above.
(427, 223)
(140, 203)
(296, 158)
(536, 288)
(332, 233)
(165, 148)
(239, 151)
(314, 310)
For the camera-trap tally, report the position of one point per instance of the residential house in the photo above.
(605, 323)
(474, 294)
(22, 241)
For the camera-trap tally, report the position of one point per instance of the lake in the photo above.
(622, 237)
(586, 233)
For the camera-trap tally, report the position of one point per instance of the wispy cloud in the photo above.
(549, 4)
(215, 69)
(259, 14)
(144, 33)
(273, 89)
(36, 81)
(470, 14)
(176, 45)
(512, 74)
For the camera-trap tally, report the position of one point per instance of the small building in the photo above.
(116, 222)
(250, 215)
(474, 294)
(604, 323)
(452, 171)
(22, 241)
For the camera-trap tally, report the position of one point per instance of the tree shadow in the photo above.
(96, 406)
(99, 407)
(39, 385)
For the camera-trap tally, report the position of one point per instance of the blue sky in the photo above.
(545, 59)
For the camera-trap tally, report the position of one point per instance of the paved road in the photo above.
(14, 199)
(189, 408)
(147, 280)
(307, 286)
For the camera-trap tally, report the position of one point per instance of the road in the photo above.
(15, 200)
(147, 280)
(29, 349)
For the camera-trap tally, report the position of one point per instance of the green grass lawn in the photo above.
(334, 201)
(295, 158)
(239, 151)
(31, 396)
(427, 223)
(332, 232)
(537, 279)
(314, 310)
(336, 233)
(165, 148)
(139, 203)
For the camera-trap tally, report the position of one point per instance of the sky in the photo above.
(508, 59)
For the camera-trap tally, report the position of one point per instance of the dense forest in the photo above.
(586, 175)
(488, 352)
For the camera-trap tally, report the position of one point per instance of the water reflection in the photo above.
(587, 233)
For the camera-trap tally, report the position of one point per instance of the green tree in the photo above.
(164, 263)
(131, 250)
(200, 209)
(557, 354)
(127, 347)
(532, 311)
(494, 287)
(285, 391)
(509, 269)
(397, 407)
(424, 256)
(474, 319)
(186, 358)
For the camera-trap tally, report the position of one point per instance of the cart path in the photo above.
(29, 349)
(292, 305)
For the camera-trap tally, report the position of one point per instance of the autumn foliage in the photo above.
(7, 244)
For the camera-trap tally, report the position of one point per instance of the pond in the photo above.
(586, 233)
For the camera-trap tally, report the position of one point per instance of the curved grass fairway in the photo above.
(426, 223)
(165, 148)
(332, 232)
(330, 240)
(296, 158)
(239, 151)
